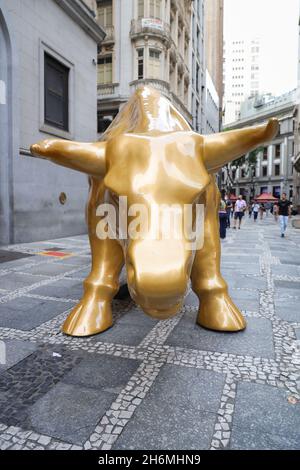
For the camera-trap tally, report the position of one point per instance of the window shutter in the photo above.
(56, 93)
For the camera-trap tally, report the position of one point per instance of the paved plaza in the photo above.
(145, 384)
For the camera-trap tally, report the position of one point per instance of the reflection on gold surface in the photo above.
(150, 155)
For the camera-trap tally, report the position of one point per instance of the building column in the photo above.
(285, 165)
(167, 11)
(176, 28)
(167, 68)
(183, 42)
(176, 79)
(271, 154)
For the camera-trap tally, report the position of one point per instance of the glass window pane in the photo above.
(152, 8)
(101, 15)
(109, 15)
(56, 94)
(140, 8)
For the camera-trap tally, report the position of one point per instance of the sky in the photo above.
(275, 22)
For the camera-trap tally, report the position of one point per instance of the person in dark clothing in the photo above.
(228, 211)
(284, 212)
(222, 219)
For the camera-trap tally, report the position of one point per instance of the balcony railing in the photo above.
(151, 26)
(107, 89)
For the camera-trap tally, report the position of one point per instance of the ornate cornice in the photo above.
(77, 10)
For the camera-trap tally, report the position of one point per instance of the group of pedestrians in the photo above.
(236, 210)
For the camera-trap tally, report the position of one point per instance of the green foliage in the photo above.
(248, 161)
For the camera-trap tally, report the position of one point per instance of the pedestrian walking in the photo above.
(261, 210)
(239, 210)
(250, 210)
(222, 219)
(228, 210)
(267, 208)
(255, 208)
(284, 212)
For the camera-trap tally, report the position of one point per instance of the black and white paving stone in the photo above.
(145, 384)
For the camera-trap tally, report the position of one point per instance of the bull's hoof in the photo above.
(90, 317)
(218, 312)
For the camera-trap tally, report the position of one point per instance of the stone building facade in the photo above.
(296, 181)
(214, 47)
(154, 42)
(48, 88)
(274, 170)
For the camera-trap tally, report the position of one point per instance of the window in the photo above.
(277, 170)
(197, 77)
(154, 64)
(140, 9)
(243, 173)
(155, 9)
(105, 14)
(265, 153)
(140, 53)
(104, 120)
(277, 150)
(263, 190)
(233, 175)
(56, 89)
(105, 70)
(276, 191)
(265, 171)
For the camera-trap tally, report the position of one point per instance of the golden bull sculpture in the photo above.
(151, 155)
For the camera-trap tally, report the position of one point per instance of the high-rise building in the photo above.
(147, 42)
(214, 27)
(242, 74)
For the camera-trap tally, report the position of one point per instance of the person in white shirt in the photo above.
(239, 210)
(255, 208)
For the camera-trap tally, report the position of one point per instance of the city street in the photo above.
(145, 384)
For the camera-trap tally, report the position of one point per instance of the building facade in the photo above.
(296, 181)
(214, 30)
(48, 88)
(212, 106)
(147, 42)
(273, 171)
(242, 75)
(197, 67)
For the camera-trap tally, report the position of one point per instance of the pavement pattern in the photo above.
(147, 384)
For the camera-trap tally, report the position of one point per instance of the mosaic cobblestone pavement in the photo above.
(145, 384)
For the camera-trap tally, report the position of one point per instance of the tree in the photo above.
(248, 163)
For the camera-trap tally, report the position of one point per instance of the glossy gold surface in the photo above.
(151, 155)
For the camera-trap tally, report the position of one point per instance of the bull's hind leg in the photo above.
(217, 310)
(93, 313)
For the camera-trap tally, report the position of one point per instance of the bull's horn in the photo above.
(88, 158)
(220, 149)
